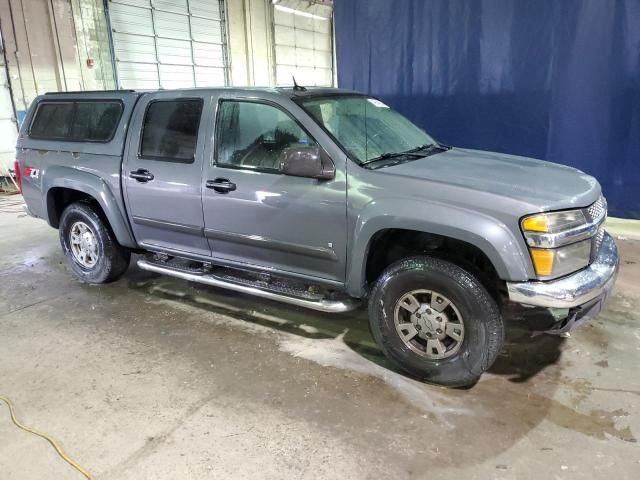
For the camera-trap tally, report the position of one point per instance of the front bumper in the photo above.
(587, 288)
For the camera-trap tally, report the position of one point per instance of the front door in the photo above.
(255, 215)
(162, 174)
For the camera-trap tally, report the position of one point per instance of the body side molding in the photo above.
(325, 253)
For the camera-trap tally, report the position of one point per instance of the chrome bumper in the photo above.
(592, 283)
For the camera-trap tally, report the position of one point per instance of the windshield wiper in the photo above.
(386, 156)
(426, 146)
(417, 152)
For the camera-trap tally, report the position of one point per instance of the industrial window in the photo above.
(254, 135)
(170, 130)
(85, 121)
(303, 42)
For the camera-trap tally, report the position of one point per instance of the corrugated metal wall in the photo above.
(48, 44)
(7, 118)
(303, 42)
(51, 45)
(58, 45)
(93, 42)
(168, 43)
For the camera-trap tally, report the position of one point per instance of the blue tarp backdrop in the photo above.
(557, 80)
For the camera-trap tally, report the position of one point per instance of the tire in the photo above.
(481, 336)
(108, 260)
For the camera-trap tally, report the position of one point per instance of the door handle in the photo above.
(221, 185)
(141, 175)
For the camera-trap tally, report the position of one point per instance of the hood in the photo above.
(545, 185)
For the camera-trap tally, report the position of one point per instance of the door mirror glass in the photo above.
(307, 161)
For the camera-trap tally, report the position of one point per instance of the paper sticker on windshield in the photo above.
(377, 103)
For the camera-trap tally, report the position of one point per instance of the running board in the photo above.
(320, 304)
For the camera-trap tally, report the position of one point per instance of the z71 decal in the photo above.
(31, 172)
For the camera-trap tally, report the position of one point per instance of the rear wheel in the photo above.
(89, 246)
(435, 320)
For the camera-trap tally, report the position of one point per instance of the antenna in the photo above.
(296, 87)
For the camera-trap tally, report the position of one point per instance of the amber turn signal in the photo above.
(542, 261)
(536, 223)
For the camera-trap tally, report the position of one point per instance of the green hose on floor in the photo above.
(53, 443)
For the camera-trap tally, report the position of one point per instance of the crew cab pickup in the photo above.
(322, 198)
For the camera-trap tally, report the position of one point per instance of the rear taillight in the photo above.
(16, 168)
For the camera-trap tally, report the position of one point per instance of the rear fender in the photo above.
(95, 187)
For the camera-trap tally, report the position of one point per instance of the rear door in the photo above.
(162, 171)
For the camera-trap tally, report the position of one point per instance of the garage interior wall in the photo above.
(55, 45)
(303, 42)
(546, 79)
(8, 121)
(168, 43)
(75, 45)
(250, 38)
(269, 41)
(52, 45)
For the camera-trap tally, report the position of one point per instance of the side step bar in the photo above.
(321, 305)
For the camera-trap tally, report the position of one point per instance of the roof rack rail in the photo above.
(91, 91)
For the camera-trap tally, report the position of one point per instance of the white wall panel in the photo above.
(142, 76)
(8, 131)
(180, 6)
(135, 48)
(206, 30)
(173, 43)
(206, 76)
(50, 45)
(208, 55)
(205, 8)
(55, 45)
(303, 43)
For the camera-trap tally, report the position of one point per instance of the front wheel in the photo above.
(89, 246)
(436, 321)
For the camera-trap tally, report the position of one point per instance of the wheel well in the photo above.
(59, 198)
(390, 245)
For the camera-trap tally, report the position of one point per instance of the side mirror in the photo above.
(310, 162)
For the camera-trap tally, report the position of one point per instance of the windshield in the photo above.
(365, 127)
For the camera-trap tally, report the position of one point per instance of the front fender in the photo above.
(96, 187)
(506, 251)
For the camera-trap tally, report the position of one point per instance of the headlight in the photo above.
(553, 222)
(559, 242)
(556, 262)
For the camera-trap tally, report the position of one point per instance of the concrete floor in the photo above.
(154, 378)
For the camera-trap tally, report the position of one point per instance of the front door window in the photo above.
(254, 135)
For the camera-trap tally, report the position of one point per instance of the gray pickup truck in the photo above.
(320, 198)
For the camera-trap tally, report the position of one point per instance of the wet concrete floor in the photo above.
(154, 378)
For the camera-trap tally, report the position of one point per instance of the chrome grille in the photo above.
(597, 209)
(596, 243)
(597, 212)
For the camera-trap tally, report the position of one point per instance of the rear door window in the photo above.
(81, 121)
(170, 130)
